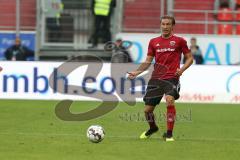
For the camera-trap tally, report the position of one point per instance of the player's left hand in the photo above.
(1, 69)
(179, 72)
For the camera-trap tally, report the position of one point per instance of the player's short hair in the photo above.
(194, 38)
(168, 17)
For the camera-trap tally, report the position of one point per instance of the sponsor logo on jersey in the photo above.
(166, 50)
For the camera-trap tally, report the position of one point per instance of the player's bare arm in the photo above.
(143, 67)
(188, 63)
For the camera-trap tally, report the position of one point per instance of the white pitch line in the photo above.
(120, 137)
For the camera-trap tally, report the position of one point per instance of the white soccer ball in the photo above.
(95, 133)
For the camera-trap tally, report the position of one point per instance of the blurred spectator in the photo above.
(223, 9)
(237, 16)
(18, 52)
(196, 51)
(237, 4)
(225, 29)
(52, 10)
(54, 29)
(224, 4)
(121, 54)
(102, 10)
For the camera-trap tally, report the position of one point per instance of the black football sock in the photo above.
(151, 120)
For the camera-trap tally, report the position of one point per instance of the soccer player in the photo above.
(167, 50)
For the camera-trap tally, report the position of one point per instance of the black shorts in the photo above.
(157, 88)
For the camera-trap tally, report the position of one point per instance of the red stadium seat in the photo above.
(237, 18)
(238, 29)
(225, 29)
(225, 14)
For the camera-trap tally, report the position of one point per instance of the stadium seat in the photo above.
(238, 29)
(225, 29)
(225, 14)
(237, 18)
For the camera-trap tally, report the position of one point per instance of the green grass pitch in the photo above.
(30, 130)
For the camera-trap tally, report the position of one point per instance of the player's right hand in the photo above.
(133, 74)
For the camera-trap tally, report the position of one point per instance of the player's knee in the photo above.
(169, 100)
(148, 109)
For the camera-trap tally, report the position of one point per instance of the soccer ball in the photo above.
(95, 133)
